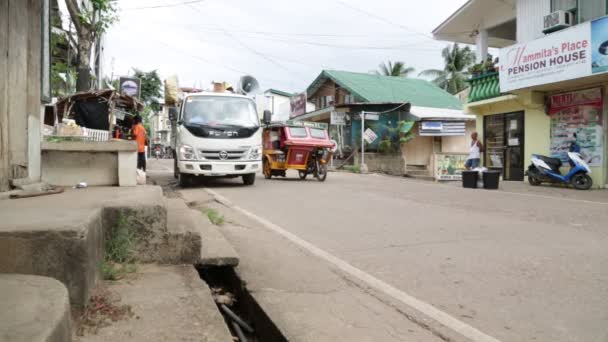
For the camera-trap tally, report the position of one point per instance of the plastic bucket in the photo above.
(469, 179)
(491, 179)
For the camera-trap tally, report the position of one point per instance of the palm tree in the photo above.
(453, 76)
(394, 69)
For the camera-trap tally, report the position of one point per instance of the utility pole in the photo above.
(363, 167)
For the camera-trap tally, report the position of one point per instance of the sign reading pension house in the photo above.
(576, 52)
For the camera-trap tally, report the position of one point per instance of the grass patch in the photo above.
(352, 168)
(214, 216)
(118, 259)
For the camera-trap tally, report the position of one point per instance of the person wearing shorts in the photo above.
(474, 158)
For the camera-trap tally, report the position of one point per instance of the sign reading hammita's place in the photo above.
(561, 56)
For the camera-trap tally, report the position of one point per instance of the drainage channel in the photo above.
(243, 315)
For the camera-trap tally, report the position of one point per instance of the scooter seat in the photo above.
(554, 163)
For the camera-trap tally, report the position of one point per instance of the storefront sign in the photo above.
(370, 136)
(576, 117)
(431, 125)
(130, 86)
(569, 54)
(338, 118)
(297, 104)
(449, 166)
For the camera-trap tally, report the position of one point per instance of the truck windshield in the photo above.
(217, 111)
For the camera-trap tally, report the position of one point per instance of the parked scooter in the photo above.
(547, 169)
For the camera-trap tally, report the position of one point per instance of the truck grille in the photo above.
(223, 154)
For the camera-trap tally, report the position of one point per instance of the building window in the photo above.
(591, 9)
(583, 10)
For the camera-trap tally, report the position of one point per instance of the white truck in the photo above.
(216, 134)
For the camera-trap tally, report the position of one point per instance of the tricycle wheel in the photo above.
(302, 174)
(581, 181)
(266, 169)
(321, 172)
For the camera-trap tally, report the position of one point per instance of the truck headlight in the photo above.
(186, 153)
(255, 153)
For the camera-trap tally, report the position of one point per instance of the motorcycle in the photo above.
(547, 169)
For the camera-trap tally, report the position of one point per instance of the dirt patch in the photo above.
(103, 309)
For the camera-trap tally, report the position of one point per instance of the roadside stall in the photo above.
(88, 141)
(441, 146)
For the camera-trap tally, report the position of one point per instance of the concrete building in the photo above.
(550, 87)
(341, 96)
(160, 127)
(24, 86)
(278, 102)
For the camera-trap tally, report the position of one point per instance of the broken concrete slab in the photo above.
(216, 250)
(34, 309)
(68, 248)
(184, 240)
(61, 236)
(170, 303)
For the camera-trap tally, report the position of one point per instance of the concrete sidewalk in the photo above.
(307, 299)
(61, 235)
(169, 303)
(33, 309)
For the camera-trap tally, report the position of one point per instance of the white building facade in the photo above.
(549, 87)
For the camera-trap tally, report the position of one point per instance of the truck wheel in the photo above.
(581, 181)
(185, 180)
(249, 179)
(302, 174)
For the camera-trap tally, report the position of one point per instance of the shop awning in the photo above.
(428, 113)
(439, 121)
(496, 16)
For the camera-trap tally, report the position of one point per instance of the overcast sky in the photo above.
(284, 44)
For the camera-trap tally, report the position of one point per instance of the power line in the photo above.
(250, 49)
(164, 6)
(377, 17)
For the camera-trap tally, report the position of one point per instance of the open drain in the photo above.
(243, 315)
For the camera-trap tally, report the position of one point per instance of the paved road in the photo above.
(519, 267)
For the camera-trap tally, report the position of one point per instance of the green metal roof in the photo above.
(279, 92)
(385, 89)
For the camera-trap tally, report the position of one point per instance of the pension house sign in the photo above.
(561, 56)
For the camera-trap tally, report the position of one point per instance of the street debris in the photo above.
(104, 308)
(81, 185)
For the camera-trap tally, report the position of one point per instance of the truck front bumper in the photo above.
(217, 168)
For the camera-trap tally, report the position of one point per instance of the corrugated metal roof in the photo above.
(383, 89)
(427, 113)
(279, 92)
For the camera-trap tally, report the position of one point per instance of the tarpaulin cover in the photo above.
(92, 113)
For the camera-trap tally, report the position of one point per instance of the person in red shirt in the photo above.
(138, 133)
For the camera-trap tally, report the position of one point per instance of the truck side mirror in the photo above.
(172, 113)
(267, 117)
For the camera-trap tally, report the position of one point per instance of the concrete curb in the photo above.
(34, 309)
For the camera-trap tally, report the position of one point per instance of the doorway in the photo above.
(504, 144)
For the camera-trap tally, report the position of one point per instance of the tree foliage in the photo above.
(452, 78)
(151, 87)
(90, 23)
(394, 69)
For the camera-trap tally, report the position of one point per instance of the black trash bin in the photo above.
(469, 179)
(491, 179)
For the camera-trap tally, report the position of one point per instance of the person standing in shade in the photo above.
(138, 133)
(474, 153)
